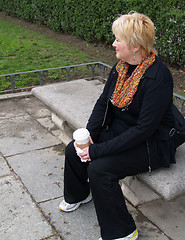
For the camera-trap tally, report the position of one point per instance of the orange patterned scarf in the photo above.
(127, 87)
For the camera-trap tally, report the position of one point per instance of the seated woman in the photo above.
(129, 128)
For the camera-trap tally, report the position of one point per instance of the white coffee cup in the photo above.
(81, 137)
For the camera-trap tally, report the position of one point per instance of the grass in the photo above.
(24, 50)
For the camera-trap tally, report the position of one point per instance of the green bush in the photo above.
(92, 19)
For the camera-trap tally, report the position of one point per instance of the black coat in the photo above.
(150, 116)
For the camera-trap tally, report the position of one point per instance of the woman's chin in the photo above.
(117, 56)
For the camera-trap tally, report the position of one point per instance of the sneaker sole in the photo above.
(134, 237)
(71, 209)
(88, 199)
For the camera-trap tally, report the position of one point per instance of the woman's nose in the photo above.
(114, 43)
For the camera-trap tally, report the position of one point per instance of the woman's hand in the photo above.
(91, 141)
(84, 154)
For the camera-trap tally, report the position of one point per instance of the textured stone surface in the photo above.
(78, 225)
(35, 108)
(20, 218)
(82, 224)
(4, 169)
(19, 134)
(168, 216)
(47, 123)
(10, 109)
(169, 183)
(146, 229)
(137, 192)
(77, 98)
(41, 171)
(23, 189)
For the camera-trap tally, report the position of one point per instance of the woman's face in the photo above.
(122, 50)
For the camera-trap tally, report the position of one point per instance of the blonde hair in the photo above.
(136, 28)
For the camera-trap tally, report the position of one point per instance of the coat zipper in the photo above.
(106, 107)
(149, 161)
(105, 113)
(147, 144)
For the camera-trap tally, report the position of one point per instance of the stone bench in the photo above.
(71, 104)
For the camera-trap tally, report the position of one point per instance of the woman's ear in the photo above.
(137, 48)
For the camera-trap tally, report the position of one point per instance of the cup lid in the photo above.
(81, 135)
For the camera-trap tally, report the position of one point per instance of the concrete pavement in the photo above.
(31, 184)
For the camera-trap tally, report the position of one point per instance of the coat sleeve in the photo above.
(157, 96)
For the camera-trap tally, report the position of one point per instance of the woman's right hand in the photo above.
(84, 153)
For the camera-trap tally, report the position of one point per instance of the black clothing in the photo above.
(104, 174)
(148, 118)
(127, 141)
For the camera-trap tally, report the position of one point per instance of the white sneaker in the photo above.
(67, 207)
(132, 236)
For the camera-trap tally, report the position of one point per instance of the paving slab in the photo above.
(47, 123)
(169, 216)
(4, 169)
(10, 108)
(81, 224)
(20, 218)
(21, 134)
(34, 107)
(41, 171)
(146, 229)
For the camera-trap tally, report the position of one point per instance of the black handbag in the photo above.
(178, 132)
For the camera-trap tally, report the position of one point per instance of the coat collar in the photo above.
(153, 69)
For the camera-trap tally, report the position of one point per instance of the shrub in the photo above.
(92, 19)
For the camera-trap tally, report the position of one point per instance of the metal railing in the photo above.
(68, 70)
(179, 102)
(42, 73)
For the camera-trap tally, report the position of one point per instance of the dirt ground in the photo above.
(93, 50)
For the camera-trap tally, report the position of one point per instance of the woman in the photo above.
(129, 129)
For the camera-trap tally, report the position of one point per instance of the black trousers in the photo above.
(104, 174)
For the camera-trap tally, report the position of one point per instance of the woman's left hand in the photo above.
(85, 154)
